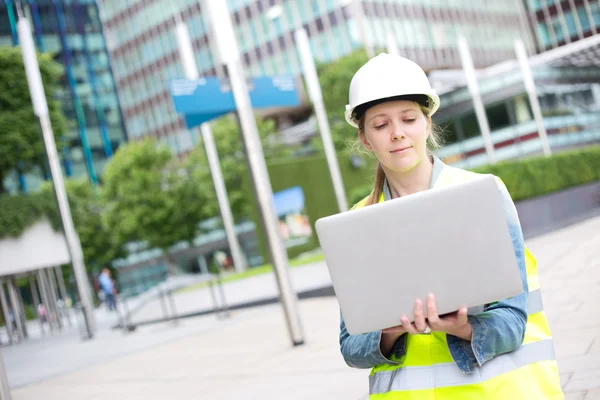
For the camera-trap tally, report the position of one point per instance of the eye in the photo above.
(410, 121)
(380, 126)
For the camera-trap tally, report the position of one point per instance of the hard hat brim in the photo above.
(434, 105)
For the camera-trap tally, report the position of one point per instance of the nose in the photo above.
(397, 133)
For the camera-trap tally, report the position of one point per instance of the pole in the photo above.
(172, 306)
(46, 300)
(469, 68)
(224, 34)
(392, 47)
(186, 54)
(40, 107)
(53, 297)
(36, 301)
(314, 91)
(358, 14)
(4, 388)
(62, 289)
(21, 304)
(14, 304)
(7, 323)
(532, 94)
(163, 305)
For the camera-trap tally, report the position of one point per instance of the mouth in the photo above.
(400, 150)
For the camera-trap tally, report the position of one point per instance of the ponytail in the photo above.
(377, 186)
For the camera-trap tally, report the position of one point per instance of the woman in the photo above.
(498, 351)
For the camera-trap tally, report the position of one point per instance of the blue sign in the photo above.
(204, 95)
(204, 99)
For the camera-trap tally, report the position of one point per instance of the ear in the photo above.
(429, 122)
(364, 140)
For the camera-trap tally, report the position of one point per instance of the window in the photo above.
(558, 31)
(595, 10)
(470, 125)
(571, 28)
(583, 19)
(497, 116)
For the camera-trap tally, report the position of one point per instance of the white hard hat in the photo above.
(385, 77)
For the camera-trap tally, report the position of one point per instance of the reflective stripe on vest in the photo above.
(538, 376)
(442, 375)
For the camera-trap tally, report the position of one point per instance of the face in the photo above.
(396, 132)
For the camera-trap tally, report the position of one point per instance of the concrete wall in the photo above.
(38, 247)
(556, 210)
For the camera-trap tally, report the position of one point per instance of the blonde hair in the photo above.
(434, 142)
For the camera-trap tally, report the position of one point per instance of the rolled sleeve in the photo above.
(500, 328)
(364, 350)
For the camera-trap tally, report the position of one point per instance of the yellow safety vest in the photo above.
(427, 370)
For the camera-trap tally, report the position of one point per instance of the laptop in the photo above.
(452, 241)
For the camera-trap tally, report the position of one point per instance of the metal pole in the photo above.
(4, 387)
(186, 55)
(125, 314)
(224, 34)
(46, 300)
(21, 306)
(40, 107)
(469, 68)
(357, 13)
(163, 305)
(224, 307)
(36, 301)
(213, 295)
(314, 91)
(7, 323)
(532, 94)
(392, 47)
(62, 289)
(14, 304)
(172, 306)
(53, 297)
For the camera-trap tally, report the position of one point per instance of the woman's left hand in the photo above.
(455, 324)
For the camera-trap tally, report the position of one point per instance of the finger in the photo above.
(432, 314)
(410, 328)
(461, 316)
(420, 323)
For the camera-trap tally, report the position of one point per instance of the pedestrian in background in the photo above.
(107, 286)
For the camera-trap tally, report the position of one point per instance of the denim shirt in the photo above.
(498, 328)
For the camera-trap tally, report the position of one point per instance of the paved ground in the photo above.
(249, 355)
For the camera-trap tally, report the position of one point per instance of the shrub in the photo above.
(536, 176)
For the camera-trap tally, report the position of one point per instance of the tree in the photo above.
(232, 158)
(100, 246)
(335, 82)
(21, 145)
(152, 197)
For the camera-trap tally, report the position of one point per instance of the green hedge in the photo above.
(531, 177)
(536, 176)
(17, 213)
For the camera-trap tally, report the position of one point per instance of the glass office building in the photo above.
(558, 22)
(569, 100)
(71, 29)
(141, 41)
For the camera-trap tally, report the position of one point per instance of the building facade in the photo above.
(569, 98)
(558, 22)
(71, 29)
(141, 41)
